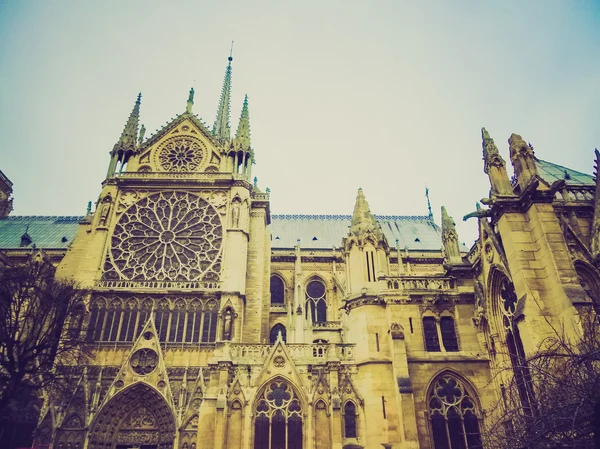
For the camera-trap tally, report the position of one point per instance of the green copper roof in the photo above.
(550, 173)
(45, 232)
(327, 231)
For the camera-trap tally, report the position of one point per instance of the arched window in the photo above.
(432, 341)
(350, 420)
(277, 291)
(588, 278)
(448, 334)
(278, 422)
(275, 330)
(316, 302)
(508, 301)
(453, 414)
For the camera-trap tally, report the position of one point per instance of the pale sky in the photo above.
(387, 96)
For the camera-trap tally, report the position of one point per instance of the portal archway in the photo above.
(136, 417)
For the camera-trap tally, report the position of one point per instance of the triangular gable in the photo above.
(144, 364)
(349, 391)
(167, 129)
(279, 363)
(195, 401)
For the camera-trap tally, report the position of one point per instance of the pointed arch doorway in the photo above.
(278, 417)
(136, 418)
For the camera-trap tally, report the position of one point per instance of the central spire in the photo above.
(221, 128)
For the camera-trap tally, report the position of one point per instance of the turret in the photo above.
(450, 239)
(127, 143)
(241, 155)
(366, 248)
(495, 167)
(523, 160)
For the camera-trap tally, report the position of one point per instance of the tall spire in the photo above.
(221, 128)
(128, 139)
(242, 135)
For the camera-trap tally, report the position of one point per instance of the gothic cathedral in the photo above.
(214, 324)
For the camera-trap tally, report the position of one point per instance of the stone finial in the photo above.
(523, 160)
(495, 166)
(450, 239)
(190, 101)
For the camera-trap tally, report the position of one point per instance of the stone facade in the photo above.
(208, 329)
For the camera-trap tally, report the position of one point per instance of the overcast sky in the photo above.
(387, 96)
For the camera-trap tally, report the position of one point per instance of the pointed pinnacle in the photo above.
(242, 135)
(362, 218)
(128, 138)
(221, 129)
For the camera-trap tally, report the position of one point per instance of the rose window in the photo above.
(181, 155)
(167, 236)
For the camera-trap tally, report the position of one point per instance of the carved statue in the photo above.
(104, 210)
(235, 212)
(227, 325)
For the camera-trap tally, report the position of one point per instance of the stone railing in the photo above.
(300, 353)
(183, 285)
(327, 325)
(419, 283)
(575, 194)
(170, 175)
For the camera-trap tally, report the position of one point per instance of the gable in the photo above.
(184, 146)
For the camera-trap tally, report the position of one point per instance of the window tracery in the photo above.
(453, 414)
(182, 154)
(278, 418)
(166, 236)
(316, 301)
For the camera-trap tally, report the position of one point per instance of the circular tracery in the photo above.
(181, 155)
(168, 236)
(278, 401)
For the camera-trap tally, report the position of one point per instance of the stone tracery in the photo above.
(181, 155)
(167, 236)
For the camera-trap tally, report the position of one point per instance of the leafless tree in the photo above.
(40, 334)
(563, 378)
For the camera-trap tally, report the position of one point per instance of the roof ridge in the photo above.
(43, 217)
(347, 217)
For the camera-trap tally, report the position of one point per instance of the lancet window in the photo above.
(453, 415)
(278, 418)
(277, 291)
(350, 420)
(446, 332)
(508, 301)
(316, 302)
(189, 322)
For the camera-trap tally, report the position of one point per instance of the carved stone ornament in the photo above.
(279, 362)
(397, 331)
(144, 361)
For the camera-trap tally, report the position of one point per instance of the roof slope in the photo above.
(551, 172)
(327, 231)
(45, 232)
